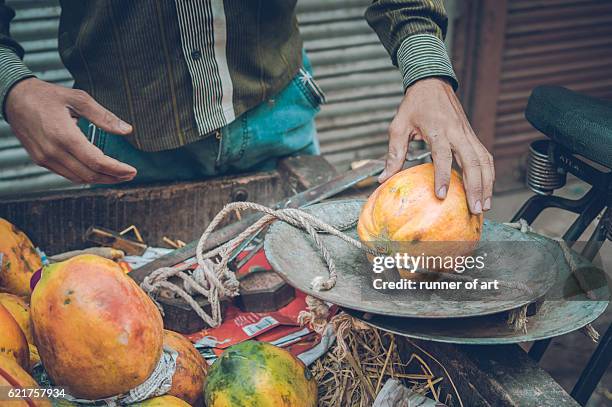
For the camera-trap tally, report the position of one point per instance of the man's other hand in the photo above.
(430, 111)
(43, 116)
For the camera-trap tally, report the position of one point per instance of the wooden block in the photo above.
(264, 290)
(56, 221)
(180, 317)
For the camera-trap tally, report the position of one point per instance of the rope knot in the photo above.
(214, 280)
(315, 315)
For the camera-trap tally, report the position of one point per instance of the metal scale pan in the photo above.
(565, 308)
(297, 260)
(458, 317)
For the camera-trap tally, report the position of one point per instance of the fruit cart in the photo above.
(498, 375)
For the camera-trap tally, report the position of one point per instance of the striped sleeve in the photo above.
(12, 70)
(424, 55)
(413, 32)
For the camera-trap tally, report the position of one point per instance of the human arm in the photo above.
(43, 117)
(412, 31)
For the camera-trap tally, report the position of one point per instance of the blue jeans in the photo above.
(282, 126)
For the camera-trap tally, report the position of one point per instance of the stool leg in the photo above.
(537, 203)
(588, 207)
(531, 208)
(589, 212)
(598, 237)
(538, 348)
(595, 369)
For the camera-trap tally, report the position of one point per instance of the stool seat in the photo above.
(581, 123)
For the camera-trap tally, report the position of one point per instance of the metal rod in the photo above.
(595, 369)
(538, 349)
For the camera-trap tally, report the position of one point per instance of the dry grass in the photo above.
(354, 370)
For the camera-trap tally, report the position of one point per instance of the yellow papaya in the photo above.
(20, 310)
(19, 259)
(162, 401)
(13, 343)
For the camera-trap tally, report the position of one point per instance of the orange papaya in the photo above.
(188, 379)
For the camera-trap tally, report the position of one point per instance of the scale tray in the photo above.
(565, 308)
(525, 264)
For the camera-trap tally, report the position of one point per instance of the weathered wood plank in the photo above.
(499, 376)
(57, 221)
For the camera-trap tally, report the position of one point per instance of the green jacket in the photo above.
(179, 69)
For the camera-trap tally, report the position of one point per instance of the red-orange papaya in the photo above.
(98, 334)
(13, 375)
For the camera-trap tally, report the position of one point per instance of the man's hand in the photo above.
(43, 117)
(430, 111)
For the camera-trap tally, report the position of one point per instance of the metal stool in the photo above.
(578, 127)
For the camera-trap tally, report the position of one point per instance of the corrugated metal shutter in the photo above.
(561, 42)
(35, 27)
(362, 86)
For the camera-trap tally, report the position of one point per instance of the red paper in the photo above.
(239, 326)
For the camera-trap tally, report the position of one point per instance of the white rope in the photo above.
(158, 383)
(315, 315)
(214, 280)
(518, 317)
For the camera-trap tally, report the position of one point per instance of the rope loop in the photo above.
(212, 278)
